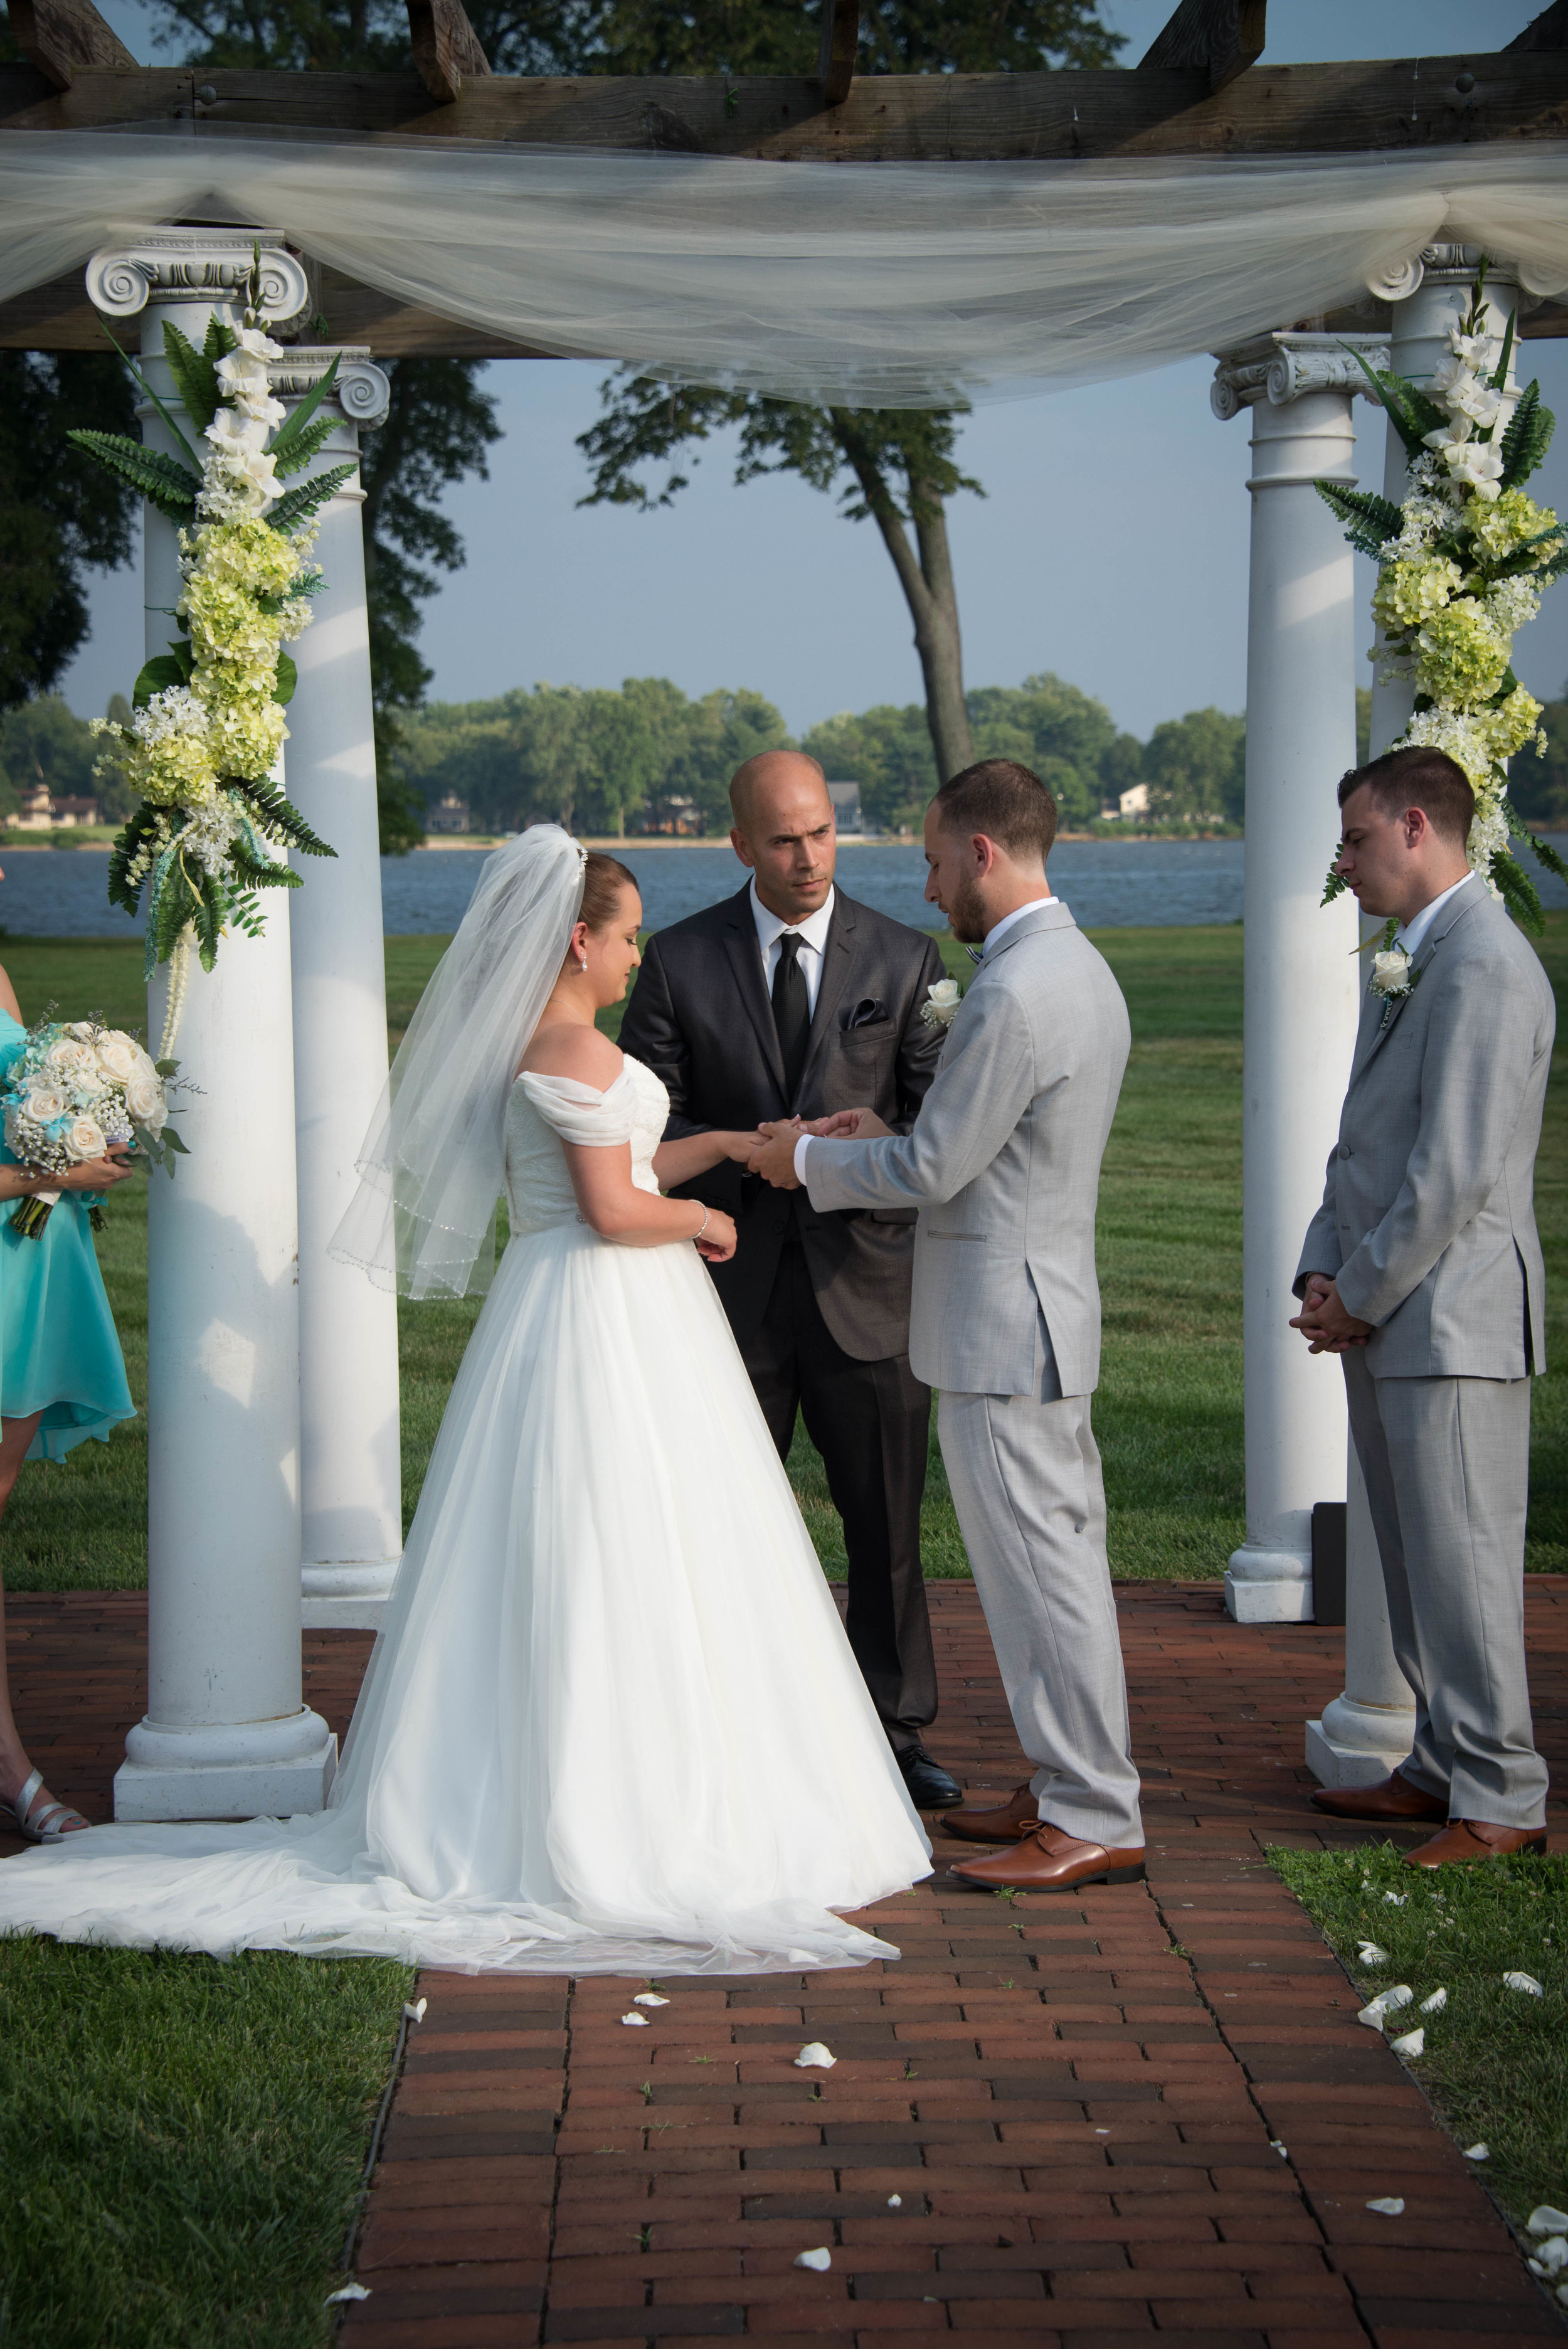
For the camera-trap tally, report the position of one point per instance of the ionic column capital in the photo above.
(1285, 366)
(361, 392)
(209, 266)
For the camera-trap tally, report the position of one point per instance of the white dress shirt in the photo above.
(1413, 934)
(992, 936)
(812, 934)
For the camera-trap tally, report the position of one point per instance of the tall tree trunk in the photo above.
(926, 578)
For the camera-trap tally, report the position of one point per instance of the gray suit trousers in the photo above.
(1446, 1462)
(1026, 1484)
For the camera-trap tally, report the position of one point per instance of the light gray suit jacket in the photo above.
(1428, 1221)
(1003, 1163)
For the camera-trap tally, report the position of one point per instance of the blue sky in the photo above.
(1113, 547)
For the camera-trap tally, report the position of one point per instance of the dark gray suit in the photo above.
(1428, 1227)
(818, 1303)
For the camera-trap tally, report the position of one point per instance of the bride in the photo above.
(612, 1724)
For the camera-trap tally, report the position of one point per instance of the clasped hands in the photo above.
(772, 1150)
(1324, 1321)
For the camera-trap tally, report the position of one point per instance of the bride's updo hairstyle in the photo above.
(603, 878)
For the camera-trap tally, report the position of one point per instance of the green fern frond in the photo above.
(195, 377)
(297, 505)
(1527, 438)
(1519, 894)
(1369, 519)
(162, 481)
(295, 455)
(1333, 887)
(275, 815)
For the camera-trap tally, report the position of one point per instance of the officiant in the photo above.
(791, 1000)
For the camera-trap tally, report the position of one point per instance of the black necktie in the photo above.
(791, 1011)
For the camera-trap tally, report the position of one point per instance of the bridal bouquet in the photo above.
(207, 719)
(74, 1091)
(1461, 566)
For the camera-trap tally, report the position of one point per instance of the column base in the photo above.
(345, 1598)
(1356, 1744)
(1269, 1586)
(240, 1770)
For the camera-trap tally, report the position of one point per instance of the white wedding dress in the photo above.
(612, 1725)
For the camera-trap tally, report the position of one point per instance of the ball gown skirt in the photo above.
(613, 1723)
(58, 1350)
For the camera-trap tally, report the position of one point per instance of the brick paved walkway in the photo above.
(1073, 2101)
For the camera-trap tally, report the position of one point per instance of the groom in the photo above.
(1002, 1165)
(790, 997)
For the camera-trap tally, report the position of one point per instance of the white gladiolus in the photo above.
(230, 432)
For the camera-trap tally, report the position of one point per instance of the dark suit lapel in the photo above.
(746, 961)
(837, 962)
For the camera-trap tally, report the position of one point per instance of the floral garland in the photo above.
(207, 721)
(1461, 566)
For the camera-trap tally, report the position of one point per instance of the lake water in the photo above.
(1109, 884)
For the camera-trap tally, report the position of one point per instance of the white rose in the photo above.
(86, 1139)
(942, 1003)
(116, 1055)
(1391, 973)
(144, 1100)
(72, 1062)
(44, 1105)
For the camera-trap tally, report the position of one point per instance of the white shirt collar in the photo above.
(995, 936)
(812, 932)
(1413, 935)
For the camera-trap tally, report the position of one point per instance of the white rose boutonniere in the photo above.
(942, 1003)
(1393, 976)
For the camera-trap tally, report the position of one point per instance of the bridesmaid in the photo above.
(62, 1379)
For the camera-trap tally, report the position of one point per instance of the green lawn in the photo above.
(1495, 2062)
(182, 2142)
(1168, 1412)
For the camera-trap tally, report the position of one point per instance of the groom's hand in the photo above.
(848, 1126)
(773, 1158)
(1324, 1321)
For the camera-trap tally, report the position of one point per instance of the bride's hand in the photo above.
(741, 1147)
(848, 1126)
(717, 1241)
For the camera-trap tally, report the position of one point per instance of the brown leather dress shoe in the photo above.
(1393, 1800)
(1051, 1860)
(1464, 1839)
(1018, 1815)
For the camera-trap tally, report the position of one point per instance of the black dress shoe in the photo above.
(930, 1787)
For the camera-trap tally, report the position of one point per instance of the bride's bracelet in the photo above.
(701, 1227)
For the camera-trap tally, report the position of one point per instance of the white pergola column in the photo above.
(226, 1735)
(1368, 1731)
(1300, 968)
(351, 1453)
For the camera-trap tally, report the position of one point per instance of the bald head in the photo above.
(784, 831)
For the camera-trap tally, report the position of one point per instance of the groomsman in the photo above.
(1423, 1272)
(1003, 1165)
(791, 998)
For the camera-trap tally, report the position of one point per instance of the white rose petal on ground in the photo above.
(1369, 1954)
(1414, 2043)
(1563, 2293)
(814, 2054)
(635, 2021)
(820, 2260)
(1477, 2153)
(1283, 2150)
(895, 2201)
(1436, 2003)
(1553, 2254)
(1547, 2220)
(416, 2013)
(649, 1998)
(1526, 1982)
(1372, 2015)
(349, 2292)
(1389, 2206)
(1400, 1995)
(1396, 1899)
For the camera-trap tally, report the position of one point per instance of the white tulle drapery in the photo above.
(897, 284)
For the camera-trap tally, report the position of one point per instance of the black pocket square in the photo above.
(866, 1013)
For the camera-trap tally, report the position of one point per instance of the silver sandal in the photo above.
(52, 1824)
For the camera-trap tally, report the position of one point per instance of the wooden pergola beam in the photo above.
(1218, 37)
(840, 41)
(1326, 109)
(447, 49)
(63, 37)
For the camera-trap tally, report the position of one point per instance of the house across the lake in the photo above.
(37, 811)
(846, 799)
(450, 814)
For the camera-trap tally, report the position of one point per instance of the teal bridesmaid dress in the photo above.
(58, 1349)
